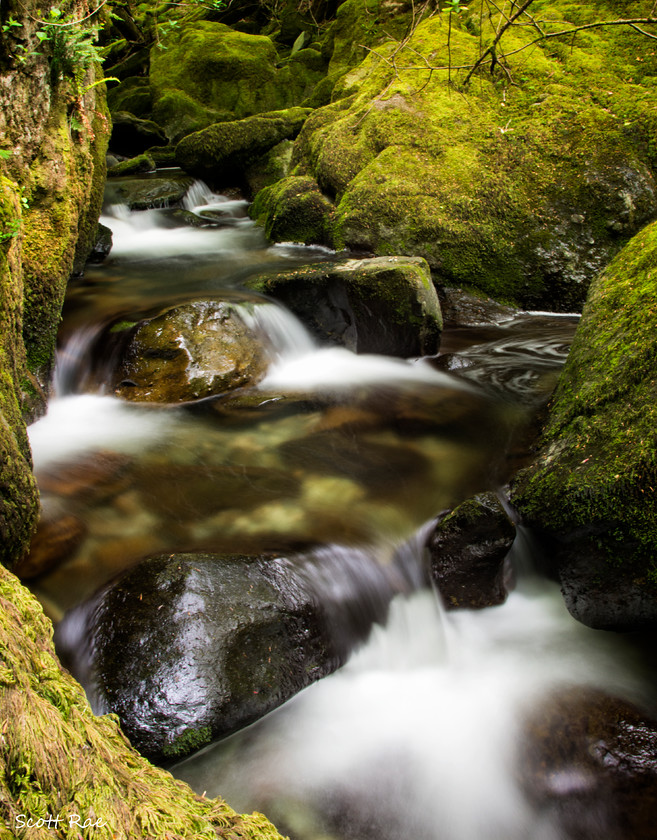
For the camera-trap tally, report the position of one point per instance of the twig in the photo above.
(490, 50)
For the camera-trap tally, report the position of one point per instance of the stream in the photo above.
(349, 459)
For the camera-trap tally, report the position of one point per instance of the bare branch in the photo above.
(490, 50)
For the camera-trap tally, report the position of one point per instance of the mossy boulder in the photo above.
(190, 352)
(133, 94)
(228, 71)
(521, 191)
(591, 489)
(179, 114)
(386, 305)
(132, 166)
(223, 152)
(271, 167)
(188, 648)
(295, 210)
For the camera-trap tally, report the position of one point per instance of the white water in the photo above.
(417, 735)
(83, 423)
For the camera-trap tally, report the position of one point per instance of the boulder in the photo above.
(222, 153)
(133, 94)
(590, 491)
(588, 764)
(384, 305)
(523, 192)
(467, 552)
(187, 648)
(233, 73)
(295, 210)
(132, 166)
(187, 353)
(143, 193)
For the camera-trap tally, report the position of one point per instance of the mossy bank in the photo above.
(592, 487)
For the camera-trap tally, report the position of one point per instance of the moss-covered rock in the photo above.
(385, 305)
(522, 191)
(59, 759)
(223, 152)
(295, 210)
(133, 166)
(179, 114)
(133, 94)
(222, 69)
(271, 167)
(592, 486)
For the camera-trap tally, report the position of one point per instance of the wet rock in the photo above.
(189, 352)
(102, 246)
(224, 152)
(382, 305)
(464, 309)
(143, 193)
(189, 648)
(56, 540)
(132, 135)
(467, 552)
(589, 763)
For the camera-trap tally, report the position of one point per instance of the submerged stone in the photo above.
(588, 763)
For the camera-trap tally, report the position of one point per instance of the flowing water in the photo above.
(342, 459)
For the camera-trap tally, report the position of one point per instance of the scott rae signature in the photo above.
(23, 821)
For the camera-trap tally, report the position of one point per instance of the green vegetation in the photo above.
(594, 481)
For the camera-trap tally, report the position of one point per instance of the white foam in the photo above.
(88, 422)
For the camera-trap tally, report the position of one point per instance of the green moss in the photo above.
(188, 742)
(226, 150)
(133, 166)
(60, 759)
(222, 69)
(598, 465)
(523, 192)
(180, 114)
(295, 210)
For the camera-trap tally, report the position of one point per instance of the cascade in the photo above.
(417, 736)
